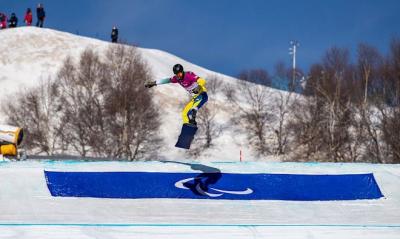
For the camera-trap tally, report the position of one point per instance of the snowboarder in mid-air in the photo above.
(196, 86)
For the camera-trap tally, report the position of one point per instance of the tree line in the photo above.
(347, 112)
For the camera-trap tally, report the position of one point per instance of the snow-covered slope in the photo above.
(29, 55)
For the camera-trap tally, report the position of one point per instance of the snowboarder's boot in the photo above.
(192, 117)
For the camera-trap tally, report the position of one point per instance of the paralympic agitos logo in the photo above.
(200, 186)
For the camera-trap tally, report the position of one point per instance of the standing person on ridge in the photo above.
(13, 21)
(28, 17)
(3, 21)
(194, 84)
(41, 14)
(114, 34)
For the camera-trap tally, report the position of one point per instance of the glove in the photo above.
(150, 84)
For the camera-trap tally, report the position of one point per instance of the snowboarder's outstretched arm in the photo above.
(150, 84)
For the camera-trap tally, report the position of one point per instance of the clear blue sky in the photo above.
(228, 36)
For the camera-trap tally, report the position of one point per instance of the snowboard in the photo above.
(186, 137)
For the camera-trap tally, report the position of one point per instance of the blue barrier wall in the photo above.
(213, 186)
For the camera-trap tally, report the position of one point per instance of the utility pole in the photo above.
(292, 51)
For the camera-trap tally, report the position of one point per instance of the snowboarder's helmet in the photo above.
(177, 68)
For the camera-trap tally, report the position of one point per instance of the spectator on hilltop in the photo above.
(3, 21)
(114, 34)
(13, 21)
(40, 13)
(28, 17)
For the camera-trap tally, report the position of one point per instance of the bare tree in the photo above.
(281, 131)
(390, 109)
(390, 129)
(255, 116)
(368, 130)
(132, 120)
(313, 79)
(214, 84)
(324, 128)
(106, 111)
(394, 60)
(258, 76)
(305, 125)
(371, 132)
(368, 64)
(38, 112)
(389, 73)
(79, 87)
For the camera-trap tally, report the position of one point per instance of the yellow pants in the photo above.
(196, 103)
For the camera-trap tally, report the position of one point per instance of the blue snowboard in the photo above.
(186, 137)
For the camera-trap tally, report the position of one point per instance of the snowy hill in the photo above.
(30, 55)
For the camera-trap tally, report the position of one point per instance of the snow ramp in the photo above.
(173, 199)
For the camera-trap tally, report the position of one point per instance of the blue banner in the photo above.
(213, 186)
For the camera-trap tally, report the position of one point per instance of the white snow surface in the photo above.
(29, 211)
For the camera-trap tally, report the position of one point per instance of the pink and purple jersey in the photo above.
(189, 81)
